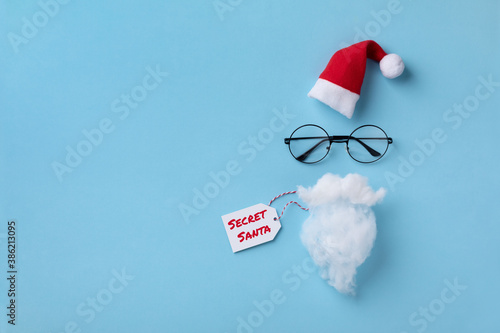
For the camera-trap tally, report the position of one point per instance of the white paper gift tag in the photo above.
(251, 226)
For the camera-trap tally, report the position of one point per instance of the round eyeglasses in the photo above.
(311, 143)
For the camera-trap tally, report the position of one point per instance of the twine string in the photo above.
(295, 202)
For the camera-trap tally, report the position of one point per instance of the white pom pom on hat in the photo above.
(392, 66)
(339, 85)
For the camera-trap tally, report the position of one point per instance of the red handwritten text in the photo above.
(257, 232)
(246, 220)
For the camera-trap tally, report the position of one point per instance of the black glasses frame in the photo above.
(338, 139)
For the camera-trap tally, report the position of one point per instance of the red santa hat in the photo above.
(340, 83)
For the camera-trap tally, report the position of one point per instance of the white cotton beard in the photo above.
(341, 230)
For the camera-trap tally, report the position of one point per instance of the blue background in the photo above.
(228, 69)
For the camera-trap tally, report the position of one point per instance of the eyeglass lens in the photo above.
(309, 144)
(367, 144)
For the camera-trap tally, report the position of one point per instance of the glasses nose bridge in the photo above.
(339, 138)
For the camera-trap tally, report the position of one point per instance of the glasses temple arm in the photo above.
(302, 157)
(372, 151)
